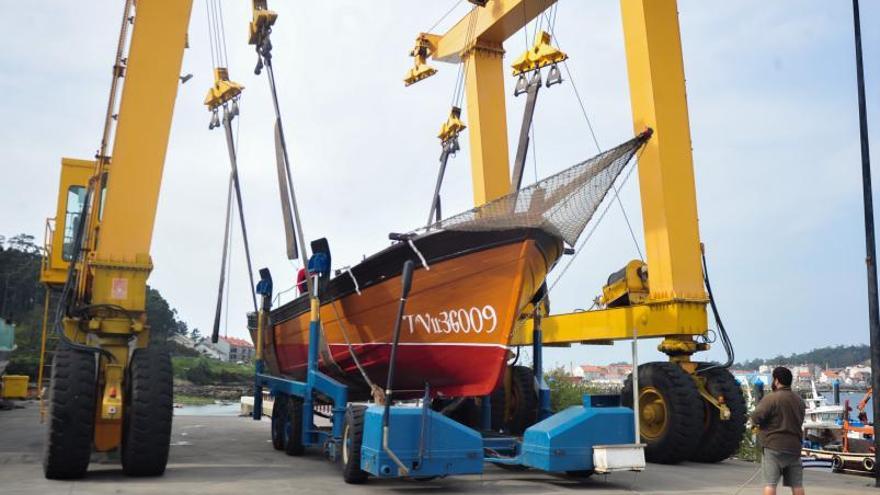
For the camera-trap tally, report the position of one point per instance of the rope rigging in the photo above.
(551, 23)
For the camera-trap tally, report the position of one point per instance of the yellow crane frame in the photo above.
(116, 259)
(675, 304)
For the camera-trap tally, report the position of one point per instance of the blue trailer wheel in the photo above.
(279, 422)
(352, 438)
(293, 430)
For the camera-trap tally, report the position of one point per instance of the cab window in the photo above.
(76, 196)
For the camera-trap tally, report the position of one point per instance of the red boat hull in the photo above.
(454, 334)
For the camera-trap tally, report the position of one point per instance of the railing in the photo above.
(48, 235)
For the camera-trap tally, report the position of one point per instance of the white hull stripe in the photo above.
(448, 344)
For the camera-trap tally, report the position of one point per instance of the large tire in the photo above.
(293, 444)
(521, 411)
(721, 439)
(352, 438)
(671, 412)
(71, 414)
(146, 429)
(524, 397)
(497, 401)
(279, 421)
(467, 412)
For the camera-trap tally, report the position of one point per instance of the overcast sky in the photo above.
(772, 98)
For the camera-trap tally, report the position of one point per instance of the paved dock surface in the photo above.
(219, 455)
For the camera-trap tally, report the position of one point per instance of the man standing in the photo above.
(779, 418)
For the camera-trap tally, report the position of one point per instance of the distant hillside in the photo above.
(834, 357)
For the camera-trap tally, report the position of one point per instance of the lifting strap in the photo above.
(261, 38)
(215, 331)
(228, 116)
(283, 181)
(531, 89)
(449, 148)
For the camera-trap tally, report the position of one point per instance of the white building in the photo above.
(238, 350)
(220, 350)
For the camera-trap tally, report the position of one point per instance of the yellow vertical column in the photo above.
(666, 171)
(487, 123)
(145, 111)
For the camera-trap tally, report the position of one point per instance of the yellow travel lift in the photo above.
(688, 410)
(111, 389)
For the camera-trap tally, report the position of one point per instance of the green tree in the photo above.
(565, 390)
(163, 319)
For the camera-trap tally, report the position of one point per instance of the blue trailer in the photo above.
(406, 441)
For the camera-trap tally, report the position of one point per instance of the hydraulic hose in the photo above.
(68, 285)
(722, 332)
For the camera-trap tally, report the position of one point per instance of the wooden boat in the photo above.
(476, 274)
(460, 313)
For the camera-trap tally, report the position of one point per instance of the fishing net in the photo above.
(560, 205)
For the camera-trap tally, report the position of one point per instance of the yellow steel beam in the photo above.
(487, 121)
(601, 326)
(476, 40)
(494, 23)
(666, 174)
(148, 95)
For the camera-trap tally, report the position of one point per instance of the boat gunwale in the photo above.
(388, 263)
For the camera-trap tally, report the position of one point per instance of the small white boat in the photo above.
(820, 415)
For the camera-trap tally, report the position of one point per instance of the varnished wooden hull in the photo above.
(458, 320)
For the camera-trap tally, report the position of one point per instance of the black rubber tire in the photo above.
(837, 464)
(684, 427)
(498, 404)
(721, 439)
(467, 412)
(146, 428)
(293, 444)
(524, 412)
(279, 421)
(352, 437)
(72, 395)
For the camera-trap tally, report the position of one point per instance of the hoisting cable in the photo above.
(458, 90)
(722, 332)
(226, 94)
(577, 94)
(453, 126)
(444, 16)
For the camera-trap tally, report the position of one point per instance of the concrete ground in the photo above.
(220, 455)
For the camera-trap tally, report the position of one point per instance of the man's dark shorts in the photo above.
(782, 464)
